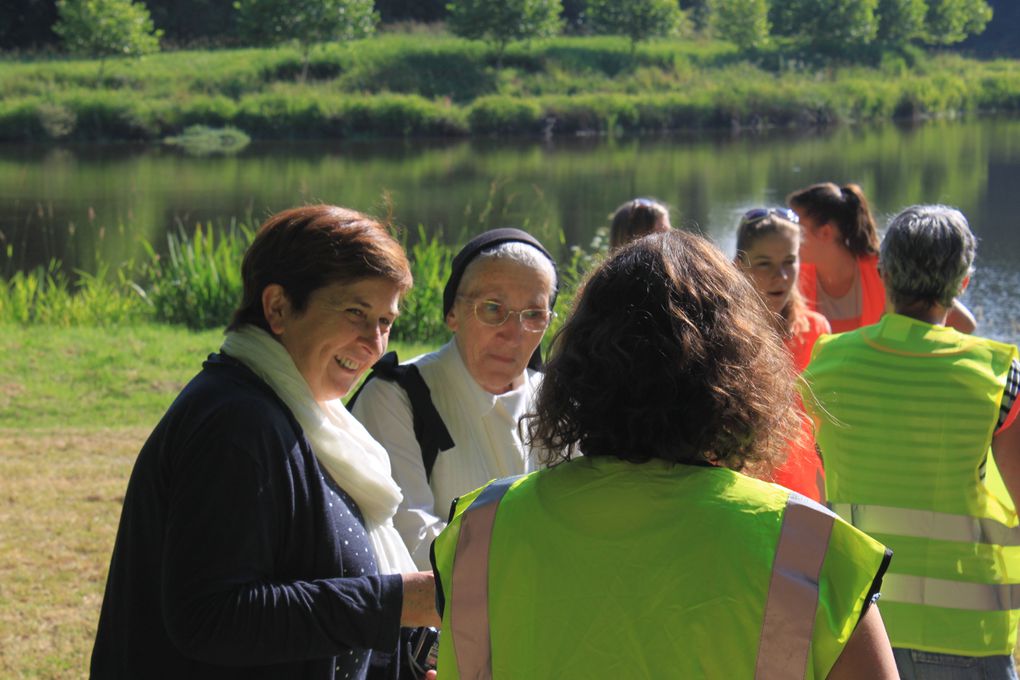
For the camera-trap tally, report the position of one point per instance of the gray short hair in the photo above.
(927, 252)
(514, 251)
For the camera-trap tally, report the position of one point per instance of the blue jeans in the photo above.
(914, 664)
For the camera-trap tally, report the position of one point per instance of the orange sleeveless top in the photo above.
(872, 294)
(802, 472)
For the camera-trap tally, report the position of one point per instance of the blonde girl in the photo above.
(768, 242)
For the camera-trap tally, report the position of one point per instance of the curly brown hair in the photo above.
(668, 354)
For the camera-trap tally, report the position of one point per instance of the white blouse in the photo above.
(483, 426)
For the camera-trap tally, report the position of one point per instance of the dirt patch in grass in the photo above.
(60, 499)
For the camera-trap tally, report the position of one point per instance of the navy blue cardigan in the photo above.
(237, 556)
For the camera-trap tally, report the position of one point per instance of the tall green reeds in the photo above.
(46, 296)
(197, 284)
(421, 316)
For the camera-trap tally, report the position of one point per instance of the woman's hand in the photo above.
(419, 601)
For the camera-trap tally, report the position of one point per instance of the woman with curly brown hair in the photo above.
(652, 555)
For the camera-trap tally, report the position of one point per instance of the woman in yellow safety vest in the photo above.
(652, 556)
(916, 425)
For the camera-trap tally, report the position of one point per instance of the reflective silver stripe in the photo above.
(943, 526)
(469, 601)
(789, 620)
(936, 592)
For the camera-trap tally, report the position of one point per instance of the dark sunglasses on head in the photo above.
(757, 214)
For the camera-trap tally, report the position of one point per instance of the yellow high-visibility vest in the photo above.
(602, 568)
(905, 413)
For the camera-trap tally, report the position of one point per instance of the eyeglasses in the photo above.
(492, 313)
(758, 214)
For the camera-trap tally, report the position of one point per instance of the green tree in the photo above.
(787, 16)
(305, 21)
(743, 22)
(500, 23)
(637, 19)
(106, 28)
(900, 21)
(833, 28)
(951, 21)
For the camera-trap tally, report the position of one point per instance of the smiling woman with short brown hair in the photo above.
(256, 538)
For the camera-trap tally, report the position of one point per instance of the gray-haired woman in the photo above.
(917, 427)
(448, 419)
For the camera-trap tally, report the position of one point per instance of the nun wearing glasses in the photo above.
(449, 419)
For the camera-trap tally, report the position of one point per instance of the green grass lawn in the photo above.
(76, 404)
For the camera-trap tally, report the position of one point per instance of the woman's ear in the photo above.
(827, 232)
(451, 319)
(275, 307)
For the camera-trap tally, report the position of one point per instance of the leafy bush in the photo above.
(637, 19)
(504, 115)
(500, 23)
(108, 115)
(199, 140)
(106, 28)
(454, 69)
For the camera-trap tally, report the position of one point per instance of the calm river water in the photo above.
(81, 204)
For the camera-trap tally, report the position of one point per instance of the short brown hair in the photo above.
(306, 248)
(668, 355)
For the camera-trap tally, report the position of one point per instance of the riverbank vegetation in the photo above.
(197, 284)
(436, 85)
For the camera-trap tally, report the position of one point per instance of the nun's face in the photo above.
(497, 355)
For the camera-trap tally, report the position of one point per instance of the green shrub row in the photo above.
(430, 66)
(436, 86)
(273, 115)
(296, 112)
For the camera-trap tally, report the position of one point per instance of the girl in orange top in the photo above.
(768, 240)
(839, 250)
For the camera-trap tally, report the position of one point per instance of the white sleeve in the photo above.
(384, 409)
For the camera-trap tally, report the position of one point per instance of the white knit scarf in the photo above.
(355, 461)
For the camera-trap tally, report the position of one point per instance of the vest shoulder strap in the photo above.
(429, 429)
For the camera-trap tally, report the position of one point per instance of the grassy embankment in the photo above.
(75, 406)
(416, 85)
